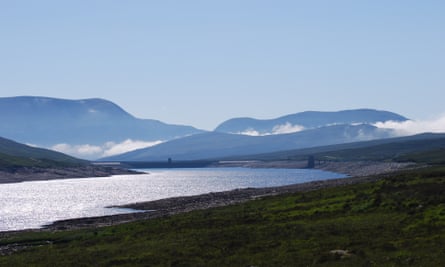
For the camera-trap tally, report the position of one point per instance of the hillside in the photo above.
(247, 136)
(427, 147)
(20, 163)
(217, 145)
(15, 155)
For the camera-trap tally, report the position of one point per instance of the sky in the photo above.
(200, 63)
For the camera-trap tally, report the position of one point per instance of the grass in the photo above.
(396, 221)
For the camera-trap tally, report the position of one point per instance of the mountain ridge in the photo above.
(306, 120)
(242, 136)
(46, 121)
(95, 127)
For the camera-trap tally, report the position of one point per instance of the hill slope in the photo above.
(15, 155)
(218, 145)
(19, 163)
(427, 148)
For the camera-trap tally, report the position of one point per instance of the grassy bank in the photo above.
(396, 221)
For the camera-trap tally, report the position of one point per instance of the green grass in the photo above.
(397, 221)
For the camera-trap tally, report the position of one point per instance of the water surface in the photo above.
(34, 204)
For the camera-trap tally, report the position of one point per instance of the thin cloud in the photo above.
(412, 127)
(83, 151)
(277, 129)
(251, 132)
(126, 146)
(287, 128)
(87, 151)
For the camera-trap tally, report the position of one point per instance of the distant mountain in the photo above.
(47, 122)
(306, 120)
(94, 128)
(219, 145)
(246, 136)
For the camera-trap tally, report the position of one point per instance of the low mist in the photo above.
(277, 129)
(412, 127)
(91, 152)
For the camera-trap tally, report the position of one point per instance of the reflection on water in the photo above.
(33, 204)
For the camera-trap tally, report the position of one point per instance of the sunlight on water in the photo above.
(33, 204)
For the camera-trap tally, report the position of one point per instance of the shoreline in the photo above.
(350, 168)
(30, 174)
(176, 205)
(358, 168)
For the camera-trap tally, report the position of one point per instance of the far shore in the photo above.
(358, 168)
(27, 174)
(351, 168)
(359, 172)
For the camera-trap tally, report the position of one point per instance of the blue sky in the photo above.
(202, 62)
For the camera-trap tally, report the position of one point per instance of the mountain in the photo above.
(48, 122)
(215, 145)
(306, 120)
(94, 128)
(246, 136)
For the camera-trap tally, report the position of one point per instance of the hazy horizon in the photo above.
(114, 134)
(200, 63)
